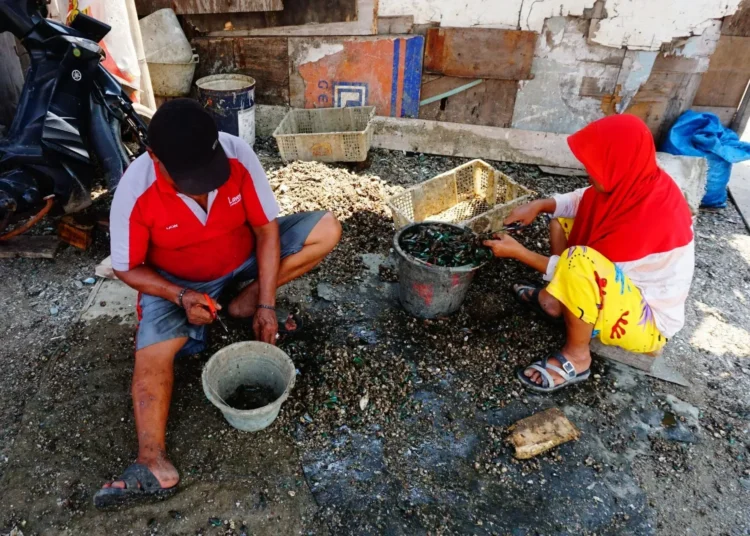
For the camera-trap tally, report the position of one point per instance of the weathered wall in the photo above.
(636, 24)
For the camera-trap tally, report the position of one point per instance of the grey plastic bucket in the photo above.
(254, 363)
(430, 291)
(231, 100)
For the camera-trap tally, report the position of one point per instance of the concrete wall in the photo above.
(636, 24)
(595, 58)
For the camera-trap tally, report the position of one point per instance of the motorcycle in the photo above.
(73, 123)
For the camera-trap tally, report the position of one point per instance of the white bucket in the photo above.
(245, 363)
(172, 79)
(163, 38)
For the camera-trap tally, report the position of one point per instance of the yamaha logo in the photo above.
(76, 74)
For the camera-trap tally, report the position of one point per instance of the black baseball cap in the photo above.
(184, 136)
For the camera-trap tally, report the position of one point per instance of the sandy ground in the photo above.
(426, 455)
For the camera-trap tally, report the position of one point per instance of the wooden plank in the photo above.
(295, 13)
(474, 141)
(192, 7)
(738, 25)
(615, 353)
(146, 7)
(541, 432)
(490, 103)
(480, 53)
(725, 115)
(29, 247)
(264, 58)
(365, 24)
(385, 72)
(395, 25)
(728, 74)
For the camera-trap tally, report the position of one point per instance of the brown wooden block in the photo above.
(480, 53)
(490, 103)
(76, 233)
(264, 58)
(187, 7)
(541, 432)
(728, 74)
(29, 247)
(299, 18)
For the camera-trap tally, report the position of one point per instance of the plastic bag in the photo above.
(121, 60)
(701, 134)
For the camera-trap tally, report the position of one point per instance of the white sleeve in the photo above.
(553, 260)
(567, 204)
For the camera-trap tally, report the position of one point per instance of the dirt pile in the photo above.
(358, 201)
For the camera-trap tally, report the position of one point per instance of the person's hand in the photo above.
(504, 246)
(265, 325)
(197, 308)
(524, 214)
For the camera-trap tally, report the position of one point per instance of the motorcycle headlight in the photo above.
(86, 44)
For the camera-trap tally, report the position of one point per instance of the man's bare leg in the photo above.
(153, 378)
(321, 241)
(576, 349)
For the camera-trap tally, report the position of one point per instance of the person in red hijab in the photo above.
(622, 249)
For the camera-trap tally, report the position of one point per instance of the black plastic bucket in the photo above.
(428, 291)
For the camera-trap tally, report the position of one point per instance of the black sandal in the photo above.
(140, 486)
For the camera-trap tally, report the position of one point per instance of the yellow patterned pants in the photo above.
(599, 293)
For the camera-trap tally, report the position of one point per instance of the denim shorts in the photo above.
(160, 320)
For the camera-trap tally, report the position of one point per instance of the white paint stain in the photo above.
(635, 24)
(484, 13)
(645, 24)
(535, 12)
(317, 53)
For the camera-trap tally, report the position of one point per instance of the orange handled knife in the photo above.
(214, 313)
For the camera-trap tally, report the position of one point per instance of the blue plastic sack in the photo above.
(701, 134)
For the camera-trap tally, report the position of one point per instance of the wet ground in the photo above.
(395, 425)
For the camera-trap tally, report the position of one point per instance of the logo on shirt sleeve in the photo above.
(234, 200)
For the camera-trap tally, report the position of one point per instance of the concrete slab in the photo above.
(690, 173)
(110, 299)
(739, 189)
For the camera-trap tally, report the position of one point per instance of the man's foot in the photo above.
(161, 468)
(137, 484)
(556, 372)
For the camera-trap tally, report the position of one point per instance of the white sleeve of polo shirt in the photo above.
(238, 148)
(128, 236)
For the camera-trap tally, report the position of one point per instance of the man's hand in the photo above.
(524, 214)
(197, 309)
(265, 325)
(504, 246)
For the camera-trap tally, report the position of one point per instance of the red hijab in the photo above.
(642, 210)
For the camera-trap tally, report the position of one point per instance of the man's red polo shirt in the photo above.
(151, 223)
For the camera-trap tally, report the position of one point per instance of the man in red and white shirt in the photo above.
(192, 215)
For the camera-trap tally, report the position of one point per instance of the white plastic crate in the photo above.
(326, 134)
(475, 195)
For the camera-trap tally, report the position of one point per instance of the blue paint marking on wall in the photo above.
(346, 94)
(412, 77)
(394, 83)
